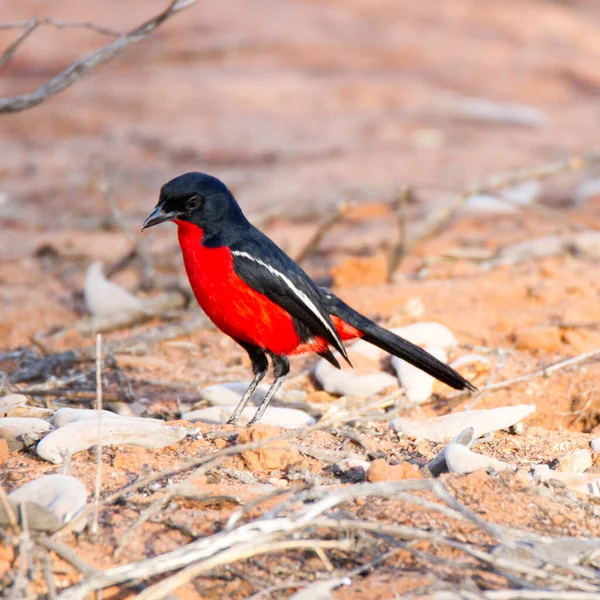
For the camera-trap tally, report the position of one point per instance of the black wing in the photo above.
(263, 266)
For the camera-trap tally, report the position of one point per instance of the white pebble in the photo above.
(63, 496)
(595, 444)
(81, 435)
(366, 349)
(10, 401)
(417, 384)
(439, 429)
(348, 464)
(290, 418)
(107, 300)
(15, 405)
(578, 461)
(64, 416)
(427, 334)
(225, 394)
(345, 383)
(462, 460)
(588, 483)
(15, 426)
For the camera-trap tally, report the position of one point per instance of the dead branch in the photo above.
(67, 554)
(439, 218)
(80, 68)
(398, 250)
(322, 229)
(543, 372)
(98, 479)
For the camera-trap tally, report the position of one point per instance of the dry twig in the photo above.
(439, 218)
(98, 481)
(322, 229)
(543, 372)
(398, 250)
(80, 68)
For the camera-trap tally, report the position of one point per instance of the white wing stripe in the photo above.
(305, 299)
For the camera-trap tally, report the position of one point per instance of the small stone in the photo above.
(274, 456)
(380, 470)
(577, 461)
(107, 300)
(344, 383)
(82, 435)
(50, 501)
(443, 428)
(517, 428)
(64, 416)
(588, 483)
(290, 418)
(427, 334)
(11, 401)
(16, 405)
(462, 460)
(20, 432)
(226, 394)
(348, 464)
(417, 384)
(595, 444)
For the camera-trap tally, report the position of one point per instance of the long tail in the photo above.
(394, 344)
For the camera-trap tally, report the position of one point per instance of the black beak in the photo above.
(157, 216)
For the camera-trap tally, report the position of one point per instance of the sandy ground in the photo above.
(298, 105)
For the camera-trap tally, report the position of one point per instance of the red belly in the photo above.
(237, 309)
(232, 305)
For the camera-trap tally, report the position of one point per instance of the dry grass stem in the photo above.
(98, 482)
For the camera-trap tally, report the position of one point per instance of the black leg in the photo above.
(260, 365)
(281, 367)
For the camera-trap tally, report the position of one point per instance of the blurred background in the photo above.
(297, 105)
(296, 101)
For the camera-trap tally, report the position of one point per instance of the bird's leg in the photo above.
(260, 365)
(281, 368)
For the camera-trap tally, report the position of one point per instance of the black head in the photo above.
(198, 198)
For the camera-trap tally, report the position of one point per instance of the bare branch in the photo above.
(10, 51)
(80, 68)
(543, 372)
(440, 217)
(323, 228)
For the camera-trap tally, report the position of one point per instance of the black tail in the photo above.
(394, 344)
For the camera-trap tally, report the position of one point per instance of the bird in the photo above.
(256, 294)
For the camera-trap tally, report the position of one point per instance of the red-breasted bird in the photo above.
(256, 294)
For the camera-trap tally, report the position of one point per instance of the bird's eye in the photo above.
(193, 203)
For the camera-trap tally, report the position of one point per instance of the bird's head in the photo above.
(197, 198)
